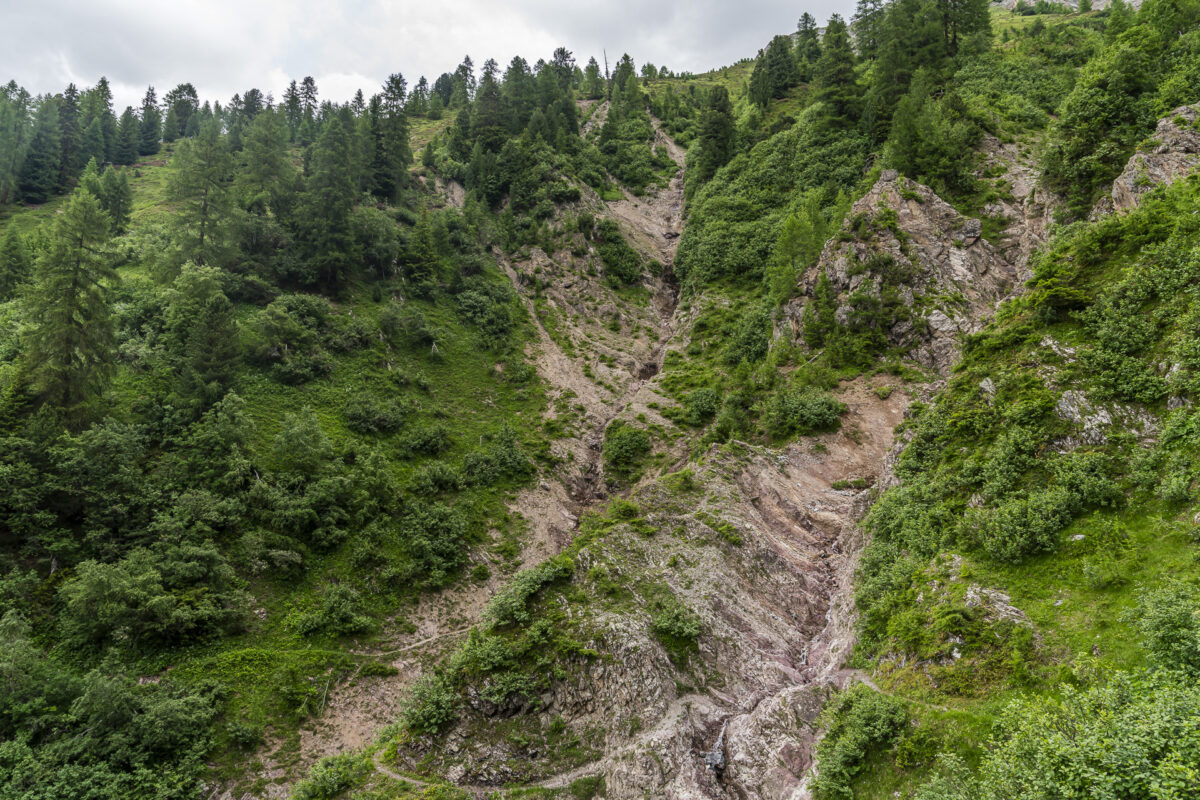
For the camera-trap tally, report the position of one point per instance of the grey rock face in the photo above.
(1174, 153)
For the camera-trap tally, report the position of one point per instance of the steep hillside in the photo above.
(816, 427)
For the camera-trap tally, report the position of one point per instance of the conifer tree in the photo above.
(488, 124)
(93, 144)
(308, 98)
(14, 137)
(325, 213)
(70, 137)
(129, 138)
(716, 138)
(97, 106)
(151, 129)
(211, 353)
(866, 25)
(170, 126)
(266, 173)
(199, 185)
(184, 101)
(593, 81)
(836, 83)
(71, 346)
(293, 110)
(117, 198)
(388, 133)
(39, 173)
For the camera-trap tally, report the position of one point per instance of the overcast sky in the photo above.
(227, 46)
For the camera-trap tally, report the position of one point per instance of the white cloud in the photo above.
(226, 46)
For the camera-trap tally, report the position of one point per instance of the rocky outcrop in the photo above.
(905, 242)
(1173, 152)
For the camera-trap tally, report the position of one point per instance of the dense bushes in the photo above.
(622, 264)
(1128, 738)
(858, 722)
(801, 411)
(625, 448)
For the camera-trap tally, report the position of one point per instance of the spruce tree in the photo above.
(40, 172)
(70, 138)
(72, 343)
(715, 140)
(867, 27)
(836, 83)
(151, 126)
(170, 126)
(266, 173)
(293, 110)
(129, 138)
(488, 124)
(329, 196)
(392, 155)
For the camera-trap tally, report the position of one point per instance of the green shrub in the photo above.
(431, 705)
(1022, 526)
(802, 411)
(625, 448)
(622, 265)
(339, 614)
(702, 405)
(1168, 619)
(751, 340)
(857, 723)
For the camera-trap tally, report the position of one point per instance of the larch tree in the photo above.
(72, 342)
(199, 186)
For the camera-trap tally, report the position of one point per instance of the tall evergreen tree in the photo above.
(593, 81)
(308, 98)
(715, 140)
(324, 220)
(266, 173)
(93, 143)
(808, 46)
(14, 137)
(392, 154)
(151, 128)
(199, 185)
(184, 102)
(97, 106)
(72, 343)
(71, 137)
(836, 84)
(117, 198)
(780, 66)
(866, 25)
(170, 126)
(40, 172)
(293, 110)
(129, 138)
(488, 123)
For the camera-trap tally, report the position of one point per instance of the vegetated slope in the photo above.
(673, 421)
